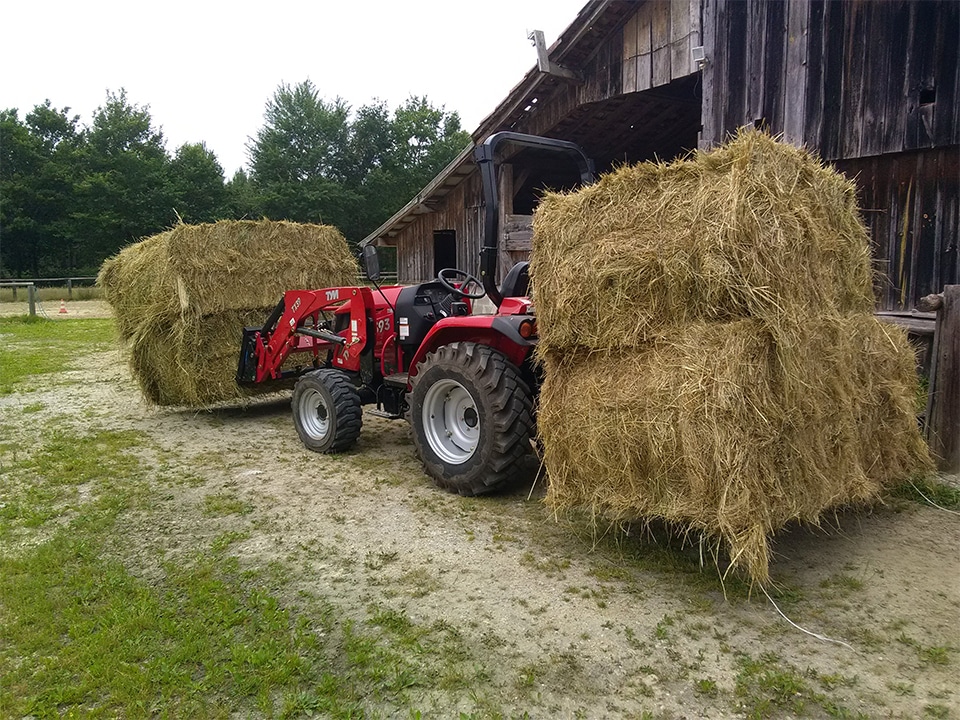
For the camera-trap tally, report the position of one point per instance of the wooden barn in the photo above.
(872, 85)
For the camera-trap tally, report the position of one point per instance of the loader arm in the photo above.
(297, 325)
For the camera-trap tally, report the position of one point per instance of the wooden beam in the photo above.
(943, 426)
(544, 64)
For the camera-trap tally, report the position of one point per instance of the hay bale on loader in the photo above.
(710, 356)
(181, 298)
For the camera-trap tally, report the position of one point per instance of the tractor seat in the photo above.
(517, 281)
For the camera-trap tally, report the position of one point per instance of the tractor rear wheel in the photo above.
(472, 419)
(326, 411)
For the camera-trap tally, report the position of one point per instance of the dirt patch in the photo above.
(556, 618)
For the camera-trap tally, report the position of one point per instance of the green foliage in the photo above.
(125, 191)
(38, 169)
(315, 161)
(929, 491)
(196, 180)
(242, 201)
(70, 196)
(407, 151)
(297, 159)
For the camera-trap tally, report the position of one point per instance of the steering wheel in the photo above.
(467, 278)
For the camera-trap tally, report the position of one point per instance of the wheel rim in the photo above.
(451, 422)
(314, 414)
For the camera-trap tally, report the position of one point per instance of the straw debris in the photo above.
(709, 349)
(181, 298)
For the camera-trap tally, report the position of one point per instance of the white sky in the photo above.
(207, 68)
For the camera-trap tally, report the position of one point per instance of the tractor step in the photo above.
(383, 414)
(397, 380)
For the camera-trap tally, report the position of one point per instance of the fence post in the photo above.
(14, 293)
(944, 418)
(32, 299)
(70, 288)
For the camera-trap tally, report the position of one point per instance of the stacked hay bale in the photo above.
(182, 298)
(710, 353)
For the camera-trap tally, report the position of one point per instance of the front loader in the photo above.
(465, 382)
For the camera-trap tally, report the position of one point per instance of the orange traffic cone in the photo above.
(63, 307)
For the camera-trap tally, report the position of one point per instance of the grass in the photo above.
(768, 687)
(36, 346)
(114, 645)
(42, 483)
(84, 632)
(928, 490)
(109, 609)
(227, 503)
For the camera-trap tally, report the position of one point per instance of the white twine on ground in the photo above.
(803, 630)
(940, 507)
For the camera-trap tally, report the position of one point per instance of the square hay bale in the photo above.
(710, 355)
(181, 298)
(192, 362)
(733, 429)
(756, 228)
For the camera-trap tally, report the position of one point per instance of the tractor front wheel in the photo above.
(326, 411)
(471, 414)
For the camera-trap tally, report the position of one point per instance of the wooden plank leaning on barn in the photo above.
(943, 408)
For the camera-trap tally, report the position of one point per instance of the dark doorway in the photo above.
(444, 250)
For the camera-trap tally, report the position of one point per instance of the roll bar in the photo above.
(484, 155)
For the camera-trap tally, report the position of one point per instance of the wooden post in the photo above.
(69, 288)
(944, 417)
(32, 298)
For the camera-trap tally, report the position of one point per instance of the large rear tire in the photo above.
(326, 411)
(472, 418)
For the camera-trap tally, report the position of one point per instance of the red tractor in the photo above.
(465, 382)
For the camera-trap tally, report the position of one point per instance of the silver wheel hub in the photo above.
(314, 415)
(451, 422)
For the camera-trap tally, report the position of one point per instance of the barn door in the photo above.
(444, 250)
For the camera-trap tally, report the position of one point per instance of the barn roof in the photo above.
(594, 21)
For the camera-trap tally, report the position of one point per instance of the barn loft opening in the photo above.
(662, 123)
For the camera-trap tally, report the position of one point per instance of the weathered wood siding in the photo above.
(853, 78)
(657, 43)
(651, 49)
(461, 212)
(909, 203)
(873, 86)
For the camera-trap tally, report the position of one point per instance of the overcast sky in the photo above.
(206, 69)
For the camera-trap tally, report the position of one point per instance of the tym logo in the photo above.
(333, 295)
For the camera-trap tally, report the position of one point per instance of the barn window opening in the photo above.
(444, 250)
(928, 96)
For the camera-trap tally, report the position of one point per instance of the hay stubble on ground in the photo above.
(548, 617)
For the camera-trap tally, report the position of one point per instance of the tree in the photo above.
(298, 160)
(124, 191)
(38, 170)
(242, 198)
(422, 141)
(314, 161)
(196, 181)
